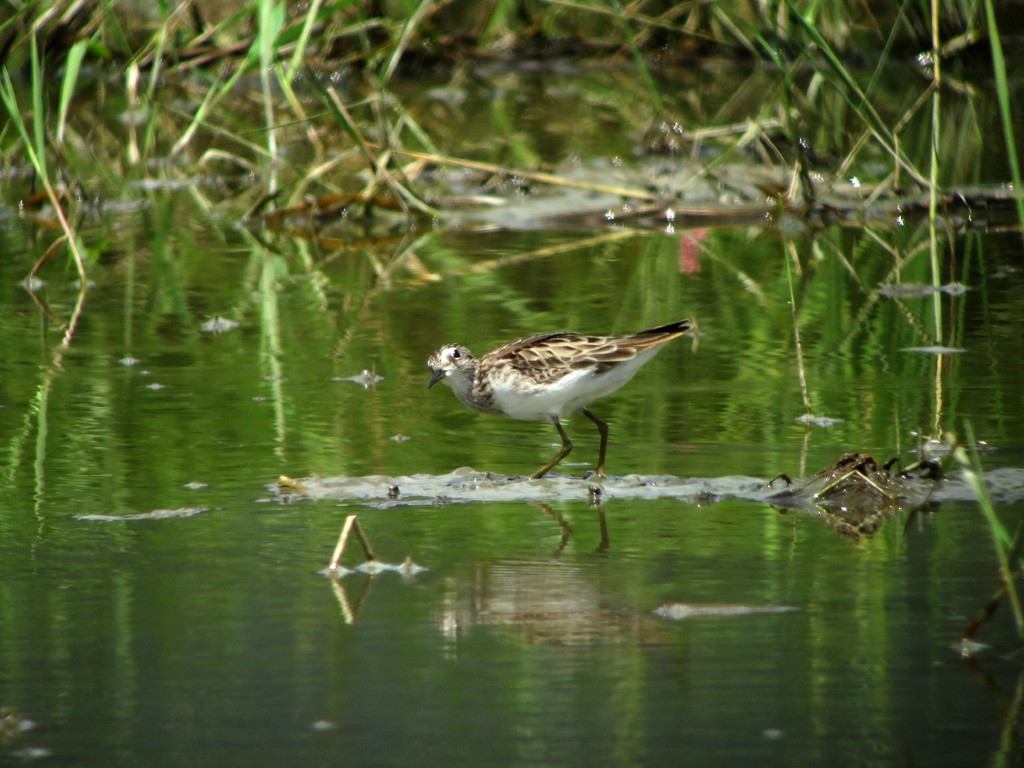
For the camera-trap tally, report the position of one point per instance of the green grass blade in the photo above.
(217, 90)
(38, 110)
(301, 46)
(641, 63)
(500, 20)
(933, 177)
(854, 95)
(1003, 96)
(10, 99)
(72, 67)
(1003, 542)
(378, 161)
(38, 161)
(403, 40)
(271, 20)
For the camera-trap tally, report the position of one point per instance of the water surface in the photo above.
(211, 636)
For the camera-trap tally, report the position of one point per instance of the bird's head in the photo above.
(453, 364)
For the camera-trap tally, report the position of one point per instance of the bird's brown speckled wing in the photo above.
(550, 356)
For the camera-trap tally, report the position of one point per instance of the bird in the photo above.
(548, 376)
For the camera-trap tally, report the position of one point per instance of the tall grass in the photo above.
(1005, 113)
(1007, 546)
(34, 138)
(291, 53)
(933, 175)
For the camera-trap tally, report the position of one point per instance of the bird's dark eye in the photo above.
(456, 354)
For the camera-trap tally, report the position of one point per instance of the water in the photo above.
(226, 646)
(532, 637)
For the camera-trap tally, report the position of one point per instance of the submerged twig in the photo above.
(351, 524)
(72, 324)
(796, 333)
(47, 254)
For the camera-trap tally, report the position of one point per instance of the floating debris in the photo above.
(33, 284)
(936, 350)
(676, 611)
(920, 290)
(156, 386)
(906, 291)
(288, 485)
(218, 324)
(817, 421)
(465, 485)
(399, 438)
(161, 185)
(129, 361)
(968, 648)
(406, 568)
(12, 723)
(930, 448)
(855, 495)
(366, 379)
(33, 753)
(158, 514)
(372, 565)
(195, 485)
(954, 289)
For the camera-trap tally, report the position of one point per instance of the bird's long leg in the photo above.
(566, 447)
(603, 429)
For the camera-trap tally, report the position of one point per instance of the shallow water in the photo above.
(163, 602)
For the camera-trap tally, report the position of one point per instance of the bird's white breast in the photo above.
(520, 398)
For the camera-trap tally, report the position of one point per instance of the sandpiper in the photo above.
(548, 376)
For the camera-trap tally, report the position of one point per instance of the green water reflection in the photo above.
(213, 639)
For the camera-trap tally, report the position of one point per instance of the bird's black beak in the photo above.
(438, 375)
